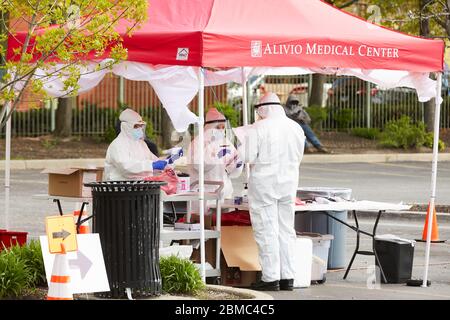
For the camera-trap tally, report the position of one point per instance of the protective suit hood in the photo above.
(128, 119)
(213, 119)
(270, 106)
(128, 158)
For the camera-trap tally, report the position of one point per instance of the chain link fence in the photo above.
(348, 102)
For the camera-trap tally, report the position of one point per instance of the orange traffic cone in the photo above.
(84, 228)
(434, 228)
(59, 286)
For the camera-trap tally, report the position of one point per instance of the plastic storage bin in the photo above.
(303, 262)
(396, 258)
(321, 248)
(12, 238)
(126, 216)
(320, 223)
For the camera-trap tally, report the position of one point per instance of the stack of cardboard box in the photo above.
(239, 254)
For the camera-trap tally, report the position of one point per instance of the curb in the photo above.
(308, 158)
(373, 158)
(257, 295)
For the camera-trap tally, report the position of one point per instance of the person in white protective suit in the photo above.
(221, 159)
(128, 157)
(273, 147)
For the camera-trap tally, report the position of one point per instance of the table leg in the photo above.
(61, 213)
(357, 245)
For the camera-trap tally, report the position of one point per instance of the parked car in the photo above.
(348, 90)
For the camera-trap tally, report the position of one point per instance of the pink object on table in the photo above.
(299, 202)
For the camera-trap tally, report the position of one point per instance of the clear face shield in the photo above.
(257, 114)
(223, 133)
(137, 130)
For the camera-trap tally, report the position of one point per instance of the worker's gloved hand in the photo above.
(159, 165)
(223, 152)
(239, 164)
(177, 153)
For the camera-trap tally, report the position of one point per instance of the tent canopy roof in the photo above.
(271, 33)
(312, 33)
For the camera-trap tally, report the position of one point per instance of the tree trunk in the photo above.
(428, 106)
(166, 129)
(316, 97)
(64, 116)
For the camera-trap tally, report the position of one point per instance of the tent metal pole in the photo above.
(430, 216)
(201, 170)
(245, 111)
(7, 164)
(244, 98)
(368, 104)
(121, 90)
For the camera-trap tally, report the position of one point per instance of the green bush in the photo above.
(318, 115)
(403, 133)
(229, 112)
(366, 133)
(149, 130)
(31, 254)
(180, 276)
(343, 118)
(429, 142)
(15, 275)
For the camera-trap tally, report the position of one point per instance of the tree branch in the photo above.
(347, 4)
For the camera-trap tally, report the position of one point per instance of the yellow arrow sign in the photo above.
(61, 230)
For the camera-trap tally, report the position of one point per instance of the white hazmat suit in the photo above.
(128, 157)
(222, 161)
(274, 149)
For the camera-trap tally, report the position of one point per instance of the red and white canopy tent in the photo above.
(249, 37)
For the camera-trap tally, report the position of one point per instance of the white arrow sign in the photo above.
(82, 263)
(86, 266)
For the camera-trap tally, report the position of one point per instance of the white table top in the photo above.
(363, 205)
(188, 196)
(68, 199)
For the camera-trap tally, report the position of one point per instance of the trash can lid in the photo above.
(124, 186)
(310, 193)
(315, 236)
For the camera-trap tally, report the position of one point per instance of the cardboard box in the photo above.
(240, 262)
(210, 253)
(69, 182)
(195, 218)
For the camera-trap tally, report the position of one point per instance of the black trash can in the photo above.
(126, 217)
(396, 258)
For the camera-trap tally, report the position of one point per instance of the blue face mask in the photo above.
(138, 134)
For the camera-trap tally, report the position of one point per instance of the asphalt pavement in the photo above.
(392, 182)
(358, 285)
(409, 182)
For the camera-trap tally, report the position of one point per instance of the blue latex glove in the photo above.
(239, 164)
(174, 157)
(222, 153)
(159, 165)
